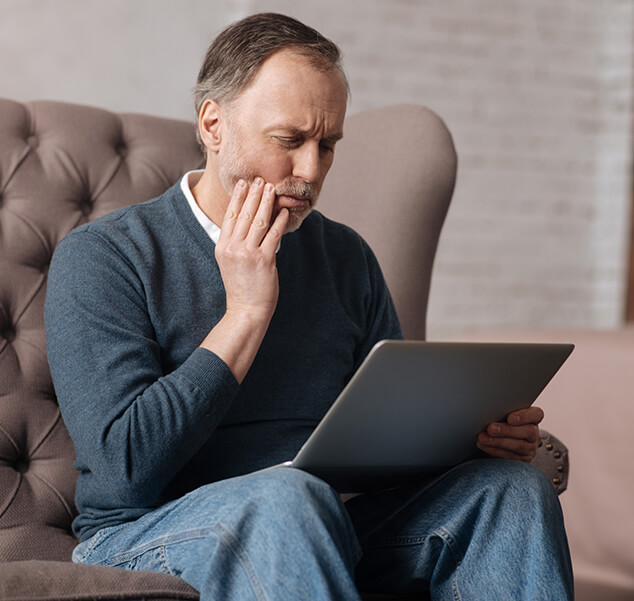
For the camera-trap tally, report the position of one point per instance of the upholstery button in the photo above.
(22, 465)
(549, 446)
(122, 150)
(9, 334)
(33, 141)
(86, 207)
(556, 454)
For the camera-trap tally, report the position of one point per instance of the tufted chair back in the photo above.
(62, 164)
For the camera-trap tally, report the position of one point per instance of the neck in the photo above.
(211, 196)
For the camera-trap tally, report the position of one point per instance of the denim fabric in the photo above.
(274, 534)
(488, 529)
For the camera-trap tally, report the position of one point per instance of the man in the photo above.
(197, 339)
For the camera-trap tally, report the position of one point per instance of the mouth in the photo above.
(294, 202)
(296, 195)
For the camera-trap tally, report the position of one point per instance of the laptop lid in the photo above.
(414, 409)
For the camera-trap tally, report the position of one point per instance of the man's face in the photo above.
(284, 128)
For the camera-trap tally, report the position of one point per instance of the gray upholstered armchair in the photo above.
(63, 164)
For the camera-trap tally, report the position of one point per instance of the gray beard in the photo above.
(232, 168)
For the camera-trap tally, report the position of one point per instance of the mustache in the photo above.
(298, 189)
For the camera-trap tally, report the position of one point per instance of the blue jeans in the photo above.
(488, 529)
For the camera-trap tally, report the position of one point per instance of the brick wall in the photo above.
(538, 96)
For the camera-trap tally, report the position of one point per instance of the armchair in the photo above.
(63, 164)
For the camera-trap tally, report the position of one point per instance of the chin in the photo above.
(295, 219)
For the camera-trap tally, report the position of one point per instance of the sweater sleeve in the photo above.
(134, 426)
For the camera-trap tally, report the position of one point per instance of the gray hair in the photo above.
(235, 56)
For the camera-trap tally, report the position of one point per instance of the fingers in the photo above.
(529, 433)
(517, 438)
(245, 252)
(261, 220)
(510, 447)
(243, 206)
(248, 216)
(238, 197)
(530, 415)
(274, 235)
(521, 453)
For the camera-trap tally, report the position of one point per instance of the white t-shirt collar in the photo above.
(213, 231)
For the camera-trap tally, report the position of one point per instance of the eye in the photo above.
(289, 142)
(326, 147)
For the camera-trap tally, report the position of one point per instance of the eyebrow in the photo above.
(296, 131)
(334, 138)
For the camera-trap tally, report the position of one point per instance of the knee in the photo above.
(295, 501)
(524, 477)
(517, 485)
(293, 491)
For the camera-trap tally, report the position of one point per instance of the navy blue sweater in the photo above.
(152, 416)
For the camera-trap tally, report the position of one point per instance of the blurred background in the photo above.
(537, 94)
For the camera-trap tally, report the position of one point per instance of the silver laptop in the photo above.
(414, 409)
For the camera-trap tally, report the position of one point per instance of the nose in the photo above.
(306, 162)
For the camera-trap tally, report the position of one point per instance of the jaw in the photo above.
(298, 208)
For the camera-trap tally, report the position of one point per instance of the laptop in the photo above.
(414, 409)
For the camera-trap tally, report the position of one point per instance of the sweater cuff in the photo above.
(209, 373)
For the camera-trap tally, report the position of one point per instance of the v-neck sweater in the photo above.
(153, 415)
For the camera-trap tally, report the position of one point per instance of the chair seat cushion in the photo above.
(61, 581)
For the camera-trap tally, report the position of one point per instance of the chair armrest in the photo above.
(552, 459)
(65, 581)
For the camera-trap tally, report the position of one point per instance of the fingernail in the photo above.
(495, 429)
(268, 188)
(515, 419)
(258, 181)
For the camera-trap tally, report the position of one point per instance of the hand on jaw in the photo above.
(517, 438)
(246, 258)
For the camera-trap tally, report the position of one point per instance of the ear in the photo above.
(209, 125)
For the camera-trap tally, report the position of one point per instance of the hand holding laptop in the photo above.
(517, 438)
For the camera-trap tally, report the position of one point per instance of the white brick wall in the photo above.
(538, 97)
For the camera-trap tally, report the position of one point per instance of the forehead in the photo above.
(291, 91)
